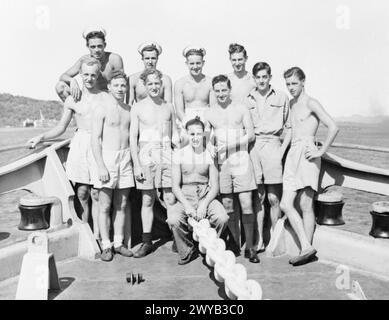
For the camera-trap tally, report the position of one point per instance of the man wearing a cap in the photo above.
(110, 62)
(150, 52)
(241, 80)
(77, 163)
(192, 93)
(153, 132)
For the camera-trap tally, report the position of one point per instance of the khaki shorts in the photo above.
(266, 157)
(156, 163)
(236, 174)
(300, 172)
(77, 164)
(119, 166)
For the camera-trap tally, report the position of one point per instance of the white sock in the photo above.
(106, 244)
(117, 240)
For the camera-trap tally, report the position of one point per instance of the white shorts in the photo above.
(119, 166)
(77, 163)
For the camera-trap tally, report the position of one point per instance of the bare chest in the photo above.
(196, 91)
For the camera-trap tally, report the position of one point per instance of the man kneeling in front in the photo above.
(195, 183)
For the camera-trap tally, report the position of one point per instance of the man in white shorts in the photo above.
(77, 163)
(302, 165)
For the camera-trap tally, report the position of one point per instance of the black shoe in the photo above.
(252, 255)
(193, 254)
(107, 255)
(174, 246)
(144, 250)
(304, 257)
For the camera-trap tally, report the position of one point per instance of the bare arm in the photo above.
(179, 100)
(69, 74)
(134, 131)
(323, 116)
(97, 132)
(132, 85)
(59, 129)
(175, 135)
(116, 62)
(168, 89)
(287, 127)
(214, 183)
(249, 136)
(176, 188)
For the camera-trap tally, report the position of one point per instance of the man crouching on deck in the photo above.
(302, 166)
(153, 131)
(195, 183)
(112, 169)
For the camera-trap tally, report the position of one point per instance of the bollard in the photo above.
(380, 215)
(39, 272)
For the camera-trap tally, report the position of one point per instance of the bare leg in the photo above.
(287, 206)
(83, 191)
(105, 200)
(259, 210)
(306, 204)
(274, 192)
(168, 198)
(95, 212)
(148, 198)
(120, 200)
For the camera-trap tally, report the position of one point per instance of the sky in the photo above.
(343, 46)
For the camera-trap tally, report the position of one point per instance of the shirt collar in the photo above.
(254, 92)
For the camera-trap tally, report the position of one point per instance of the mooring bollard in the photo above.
(380, 215)
(39, 272)
(328, 209)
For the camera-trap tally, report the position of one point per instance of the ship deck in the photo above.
(166, 280)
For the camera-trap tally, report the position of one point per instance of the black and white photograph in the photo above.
(189, 155)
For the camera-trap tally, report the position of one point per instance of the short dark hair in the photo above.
(94, 34)
(295, 71)
(195, 122)
(261, 66)
(221, 78)
(237, 48)
(148, 72)
(118, 74)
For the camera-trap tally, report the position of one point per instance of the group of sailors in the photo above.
(215, 153)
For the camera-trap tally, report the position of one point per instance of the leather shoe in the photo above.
(144, 250)
(252, 255)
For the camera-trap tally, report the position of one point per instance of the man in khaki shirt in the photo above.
(269, 109)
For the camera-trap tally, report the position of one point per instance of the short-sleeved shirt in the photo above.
(270, 114)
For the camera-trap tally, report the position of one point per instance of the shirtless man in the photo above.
(241, 80)
(302, 166)
(77, 163)
(195, 180)
(269, 109)
(110, 62)
(153, 131)
(150, 52)
(233, 131)
(193, 93)
(112, 168)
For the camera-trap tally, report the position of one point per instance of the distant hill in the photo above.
(15, 109)
(356, 118)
